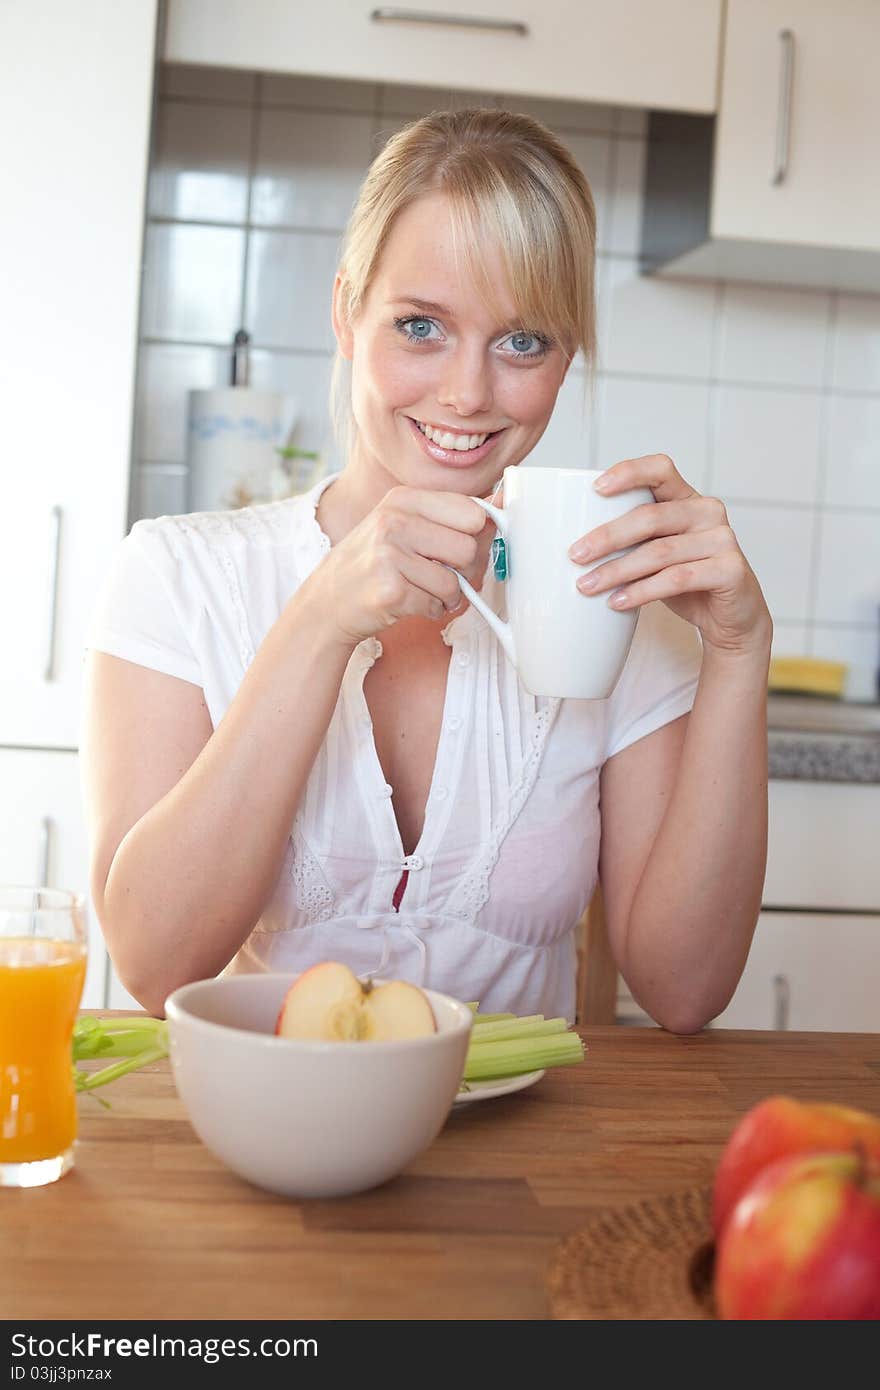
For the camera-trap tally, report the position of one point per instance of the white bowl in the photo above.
(308, 1119)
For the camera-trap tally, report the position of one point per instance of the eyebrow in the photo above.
(428, 306)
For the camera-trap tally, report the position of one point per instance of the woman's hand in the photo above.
(395, 563)
(687, 555)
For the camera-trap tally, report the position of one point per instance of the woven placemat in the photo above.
(653, 1259)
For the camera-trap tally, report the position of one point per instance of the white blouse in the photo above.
(508, 855)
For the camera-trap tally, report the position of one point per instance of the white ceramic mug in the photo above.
(562, 642)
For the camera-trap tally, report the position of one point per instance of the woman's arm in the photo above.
(685, 813)
(684, 845)
(188, 825)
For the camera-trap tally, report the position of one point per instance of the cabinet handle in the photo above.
(783, 113)
(43, 853)
(393, 14)
(54, 549)
(781, 1000)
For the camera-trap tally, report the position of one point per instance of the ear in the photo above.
(341, 320)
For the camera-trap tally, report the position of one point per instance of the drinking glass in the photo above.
(43, 945)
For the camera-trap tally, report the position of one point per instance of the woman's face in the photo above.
(445, 394)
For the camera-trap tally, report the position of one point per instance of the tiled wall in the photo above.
(767, 398)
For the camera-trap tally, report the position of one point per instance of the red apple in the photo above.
(780, 1126)
(803, 1242)
(329, 1003)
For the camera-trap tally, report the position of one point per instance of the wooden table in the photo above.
(150, 1226)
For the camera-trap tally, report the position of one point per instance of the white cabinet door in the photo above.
(809, 972)
(632, 52)
(43, 838)
(823, 846)
(829, 194)
(75, 104)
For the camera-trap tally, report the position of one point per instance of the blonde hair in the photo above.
(512, 184)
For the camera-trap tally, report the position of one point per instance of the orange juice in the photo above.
(41, 984)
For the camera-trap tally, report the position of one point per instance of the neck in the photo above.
(359, 488)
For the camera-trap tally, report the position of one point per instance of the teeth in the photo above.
(445, 440)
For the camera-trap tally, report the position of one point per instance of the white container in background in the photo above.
(233, 435)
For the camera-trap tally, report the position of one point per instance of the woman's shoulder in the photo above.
(263, 526)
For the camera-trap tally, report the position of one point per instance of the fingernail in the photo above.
(579, 552)
(588, 581)
(619, 600)
(602, 484)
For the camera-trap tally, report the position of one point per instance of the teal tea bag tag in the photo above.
(499, 558)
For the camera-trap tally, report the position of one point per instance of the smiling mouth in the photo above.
(447, 439)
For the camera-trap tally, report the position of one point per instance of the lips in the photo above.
(453, 457)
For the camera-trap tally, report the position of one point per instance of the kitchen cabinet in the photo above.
(632, 53)
(75, 109)
(810, 971)
(783, 186)
(44, 841)
(77, 93)
(815, 959)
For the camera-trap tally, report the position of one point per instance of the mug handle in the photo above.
(502, 630)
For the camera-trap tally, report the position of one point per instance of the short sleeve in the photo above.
(659, 680)
(138, 613)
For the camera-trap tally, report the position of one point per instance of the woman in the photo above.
(270, 784)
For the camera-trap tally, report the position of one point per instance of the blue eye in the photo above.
(415, 330)
(528, 344)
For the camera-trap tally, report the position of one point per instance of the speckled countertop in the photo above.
(820, 740)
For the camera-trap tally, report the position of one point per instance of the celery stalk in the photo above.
(515, 1055)
(137, 1041)
(516, 1028)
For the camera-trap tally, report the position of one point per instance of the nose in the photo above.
(466, 381)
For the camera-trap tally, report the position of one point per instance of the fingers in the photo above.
(433, 589)
(643, 523)
(653, 557)
(720, 574)
(656, 471)
(450, 509)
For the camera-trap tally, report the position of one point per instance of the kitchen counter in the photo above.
(149, 1225)
(822, 740)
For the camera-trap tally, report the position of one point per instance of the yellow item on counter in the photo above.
(808, 675)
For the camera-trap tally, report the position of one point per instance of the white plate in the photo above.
(484, 1090)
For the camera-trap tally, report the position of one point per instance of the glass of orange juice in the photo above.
(43, 943)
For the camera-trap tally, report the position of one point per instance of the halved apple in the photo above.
(329, 1003)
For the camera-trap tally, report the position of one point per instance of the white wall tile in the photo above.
(200, 162)
(159, 490)
(859, 648)
(655, 417)
(407, 100)
(848, 580)
(563, 116)
(852, 474)
(632, 120)
(778, 545)
(192, 283)
(289, 289)
(593, 154)
(653, 326)
(306, 382)
(789, 639)
(317, 93)
(766, 444)
(210, 84)
(166, 373)
(309, 167)
(770, 335)
(628, 195)
(566, 442)
(857, 343)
